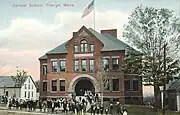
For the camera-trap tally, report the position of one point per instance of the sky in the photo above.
(27, 32)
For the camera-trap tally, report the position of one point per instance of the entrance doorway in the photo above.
(82, 86)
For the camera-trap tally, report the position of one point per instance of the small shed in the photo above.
(173, 93)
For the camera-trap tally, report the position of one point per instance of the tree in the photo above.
(37, 83)
(20, 77)
(149, 29)
(101, 77)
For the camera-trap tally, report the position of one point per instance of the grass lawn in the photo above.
(142, 110)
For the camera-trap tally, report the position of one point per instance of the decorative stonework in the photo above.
(83, 34)
(76, 79)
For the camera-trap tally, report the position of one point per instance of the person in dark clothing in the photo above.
(92, 106)
(101, 109)
(94, 109)
(111, 109)
(97, 109)
(106, 111)
(52, 106)
(118, 108)
(40, 105)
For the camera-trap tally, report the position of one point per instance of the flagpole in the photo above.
(94, 15)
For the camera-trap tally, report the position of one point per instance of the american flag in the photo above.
(88, 9)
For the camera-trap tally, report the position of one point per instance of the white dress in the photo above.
(125, 113)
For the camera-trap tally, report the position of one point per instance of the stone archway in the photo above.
(87, 77)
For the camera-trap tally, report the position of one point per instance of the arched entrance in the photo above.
(82, 86)
(88, 79)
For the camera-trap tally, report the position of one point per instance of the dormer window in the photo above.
(84, 46)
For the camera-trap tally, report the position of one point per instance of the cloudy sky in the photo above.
(26, 33)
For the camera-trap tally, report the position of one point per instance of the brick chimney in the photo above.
(113, 32)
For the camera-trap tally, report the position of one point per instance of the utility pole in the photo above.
(164, 81)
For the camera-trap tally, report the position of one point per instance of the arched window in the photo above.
(84, 46)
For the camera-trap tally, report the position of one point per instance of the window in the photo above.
(31, 86)
(28, 86)
(91, 65)
(76, 66)
(44, 71)
(44, 86)
(75, 48)
(84, 46)
(28, 94)
(107, 85)
(92, 48)
(106, 64)
(25, 94)
(54, 85)
(25, 86)
(127, 85)
(62, 65)
(62, 85)
(83, 65)
(29, 81)
(115, 63)
(32, 93)
(115, 84)
(135, 85)
(54, 66)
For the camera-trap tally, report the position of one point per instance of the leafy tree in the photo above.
(101, 77)
(37, 83)
(150, 30)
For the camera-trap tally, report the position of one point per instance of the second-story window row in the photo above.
(61, 64)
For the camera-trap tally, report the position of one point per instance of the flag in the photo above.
(88, 9)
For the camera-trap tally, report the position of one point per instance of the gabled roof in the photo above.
(8, 82)
(59, 49)
(110, 43)
(175, 85)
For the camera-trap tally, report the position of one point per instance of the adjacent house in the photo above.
(27, 90)
(71, 67)
(173, 94)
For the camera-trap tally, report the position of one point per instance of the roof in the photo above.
(7, 81)
(59, 49)
(110, 42)
(43, 57)
(174, 85)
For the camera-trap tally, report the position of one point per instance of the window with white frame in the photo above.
(54, 66)
(84, 65)
(54, 85)
(44, 70)
(106, 63)
(91, 65)
(76, 66)
(62, 65)
(115, 63)
(62, 85)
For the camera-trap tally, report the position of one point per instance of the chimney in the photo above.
(113, 32)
